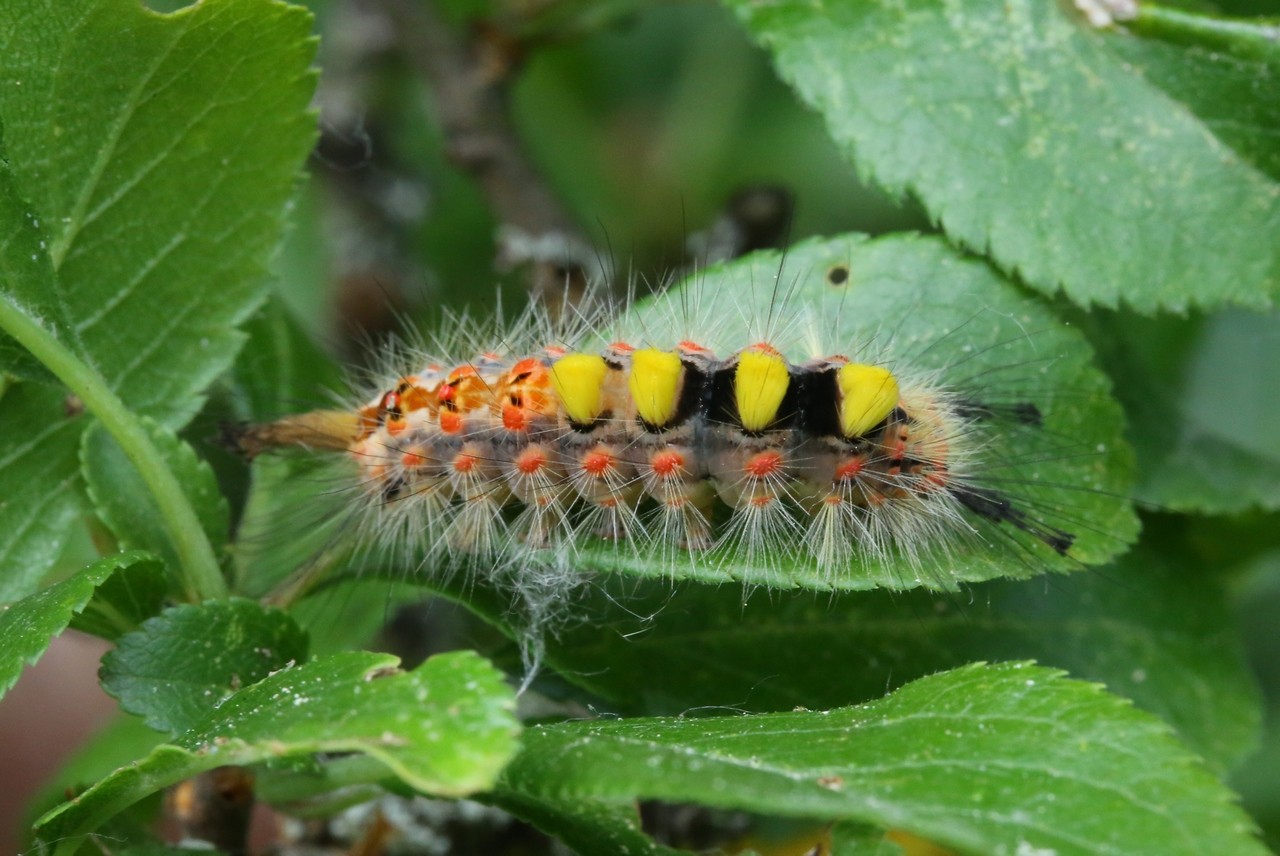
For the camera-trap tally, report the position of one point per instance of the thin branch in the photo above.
(469, 78)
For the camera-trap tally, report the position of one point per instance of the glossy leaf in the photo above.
(446, 728)
(1153, 627)
(28, 626)
(1028, 139)
(999, 758)
(181, 666)
(156, 153)
(128, 598)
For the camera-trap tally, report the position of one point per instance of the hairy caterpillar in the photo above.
(955, 430)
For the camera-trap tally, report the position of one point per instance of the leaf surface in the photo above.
(180, 666)
(124, 503)
(1029, 139)
(28, 626)
(1154, 627)
(446, 728)
(1006, 758)
(155, 154)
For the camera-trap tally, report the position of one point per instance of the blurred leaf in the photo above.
(123, 740)
(128, 597)
(1027, 138)
(1153, 627)
(125, 503)
(1201, 410)
(281, 370)
(849, 839)
(1233, 90)
(986, 758)
(447, 728)
(28, 626)
(183, 664)
(157, 153)
(936, 316)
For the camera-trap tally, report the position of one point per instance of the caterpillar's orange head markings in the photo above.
(579, 383)
(367, 420)
(868, 394)
(654, 383)
(525, 393)
(760, 384)
(465, 390)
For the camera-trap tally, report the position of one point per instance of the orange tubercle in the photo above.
(530, 461)
(849, 470)
(667, 464)
(597, 463)
(763, 464)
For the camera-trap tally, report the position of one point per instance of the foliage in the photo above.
(1094, 204)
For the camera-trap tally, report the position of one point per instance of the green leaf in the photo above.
(1153, 627)
(187, 661)
(1226, 71)
(39, 497)
(986, 759)
(36, 436)
(28, 626)
(128, 598)
(157, 154)
(446, 728)
(160, 150)
(128, 507)
(928, 311)
(1027, 138)
(1201, 412)
(26, 276)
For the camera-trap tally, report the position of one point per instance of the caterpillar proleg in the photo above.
(861, 413)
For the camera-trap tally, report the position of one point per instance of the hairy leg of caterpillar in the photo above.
(762, 529)
(539, 483)
(610, 485)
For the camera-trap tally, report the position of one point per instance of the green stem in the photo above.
(199, 573)
(1247, 38)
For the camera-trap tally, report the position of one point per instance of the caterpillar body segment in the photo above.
(663, 451)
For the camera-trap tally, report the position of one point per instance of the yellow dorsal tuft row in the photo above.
(868, 394)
